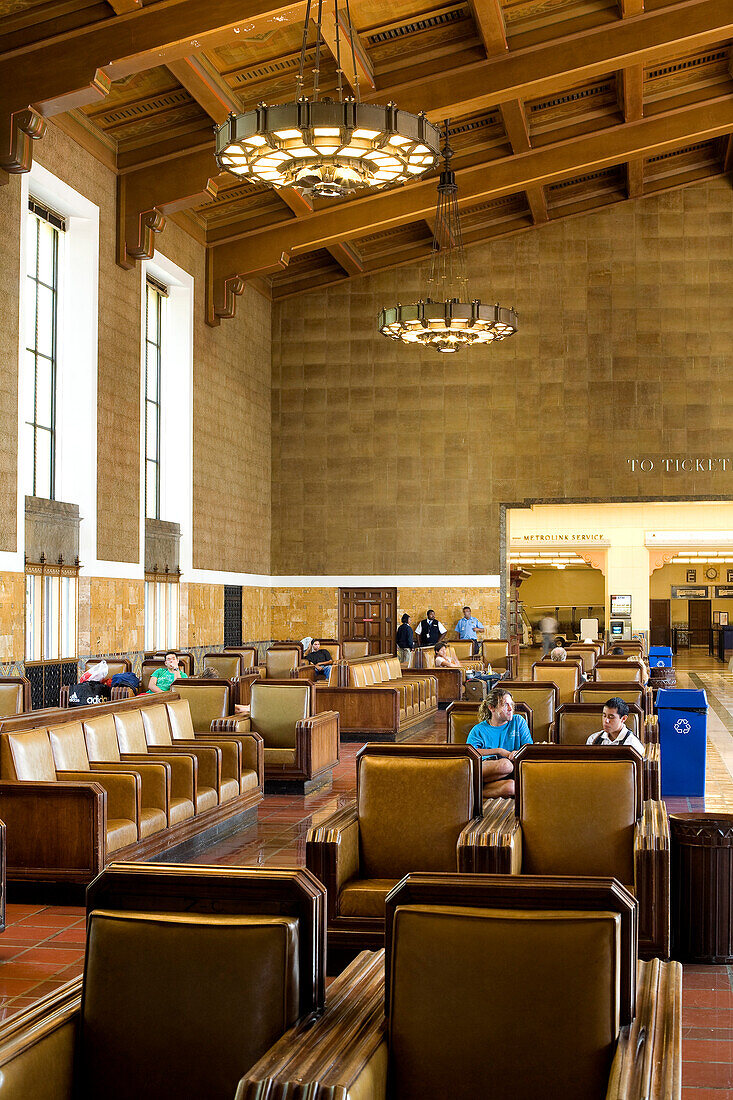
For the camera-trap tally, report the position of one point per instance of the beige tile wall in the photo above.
(625, 349)
(12, 617)
(300, 612)
(255, 614)
(205, 619)
(116, 615)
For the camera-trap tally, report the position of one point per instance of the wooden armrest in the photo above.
(184, 769)
(648, 1060)
(71, 843)
(208, 757)
(332, 852)
(231, 753)
(344, 1053)
(235, 724)
(492, 844)
(652, 877)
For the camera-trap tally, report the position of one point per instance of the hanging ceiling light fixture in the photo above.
(323, 147)
(447, 319)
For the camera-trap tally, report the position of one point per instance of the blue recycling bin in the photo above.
(683, 724)
(660, 656)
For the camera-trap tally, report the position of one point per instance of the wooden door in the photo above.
(368, 613)
(660, 622)
(699, 621)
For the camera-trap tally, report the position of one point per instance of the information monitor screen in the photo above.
(620, 605)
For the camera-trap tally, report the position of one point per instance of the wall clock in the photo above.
(711, 574)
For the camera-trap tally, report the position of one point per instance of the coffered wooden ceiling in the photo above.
(556, 107)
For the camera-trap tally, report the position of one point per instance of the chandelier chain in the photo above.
(353, 51)
(303, 48)
(339, 70)
(317, 66)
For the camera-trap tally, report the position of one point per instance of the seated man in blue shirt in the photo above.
(467, 627)
(499, 734)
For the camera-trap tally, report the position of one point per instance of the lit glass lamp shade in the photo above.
(327, 148)
(447, 326)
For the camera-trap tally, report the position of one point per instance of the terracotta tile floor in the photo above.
(43, 946)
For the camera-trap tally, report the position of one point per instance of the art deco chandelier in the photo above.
(446, 319)
(325, 147)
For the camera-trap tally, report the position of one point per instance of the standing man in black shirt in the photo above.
(430, 630)
(405, 640)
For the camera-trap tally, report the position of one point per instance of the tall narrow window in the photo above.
(51, 598)
(155, 294)
(161, 611)
(44, 231)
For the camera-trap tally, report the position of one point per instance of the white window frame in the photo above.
(51, 612)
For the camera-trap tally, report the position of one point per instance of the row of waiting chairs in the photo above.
(210, 982)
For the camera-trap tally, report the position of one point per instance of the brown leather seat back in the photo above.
(495, 652)
(354, 648)
(275, 709)
(578, 809)
(394, 669)
(228, 666)
(600, 692)
(179, 718)
(155, 724)
(185, 988)
(475, 1023)
(207, 700)
(14, 692)
(411, 807)
(542, 698)
(279, 663)
(621, 670)
(248, 654)
(27, 755)
(69, 747)
(462, 650)
(588, 655)
(334, 648)
(460, 724)
(575, 722)
(130, 731)
(149, 666)
(427, 657)
(562, 673)
(100, 735)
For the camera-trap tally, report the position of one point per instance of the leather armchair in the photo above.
(191, 974)
(15, 695)
(495, 652)
(301, 748)
(575, 722)
(618, 668)
(248, 653)
(100, 735)
(219, 763)
(284, 663)
(354, 647)
(450, 680)
(581, 812)
(71, 756)
(249, 753)
(589, 654)
(563, 673)
(543, 700)
(629, 691)
(228, 666)
(489, 1016)
(413, 803)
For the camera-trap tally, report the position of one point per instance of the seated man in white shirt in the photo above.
(614, 732)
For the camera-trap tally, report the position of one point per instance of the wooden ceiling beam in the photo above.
(489, 19)
(517, 129)
(630, 8)
(635, 178)
(210, 91)
(344, 254)
(537, 202)
(631, 82)
(267, 250)
(728, 157)
(146, 197)
(538, 70)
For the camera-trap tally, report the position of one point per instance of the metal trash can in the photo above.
(702, 887)
(683, 724)
(660, 656)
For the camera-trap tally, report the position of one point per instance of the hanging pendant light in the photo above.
(325, 147)
(447, 319)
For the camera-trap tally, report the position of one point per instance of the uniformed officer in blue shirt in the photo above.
(467, 627)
